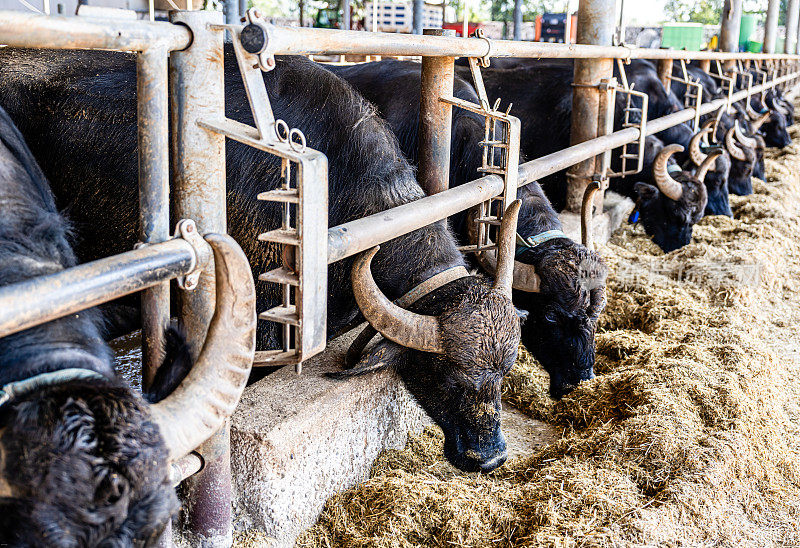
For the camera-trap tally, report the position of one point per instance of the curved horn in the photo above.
(587, 213)
(525, 276)
(708, 163)
(710, 125)
(210, 392)
(730, 145)
(697, 155)
(397, 324)
(742, 138)
(506, 245)
(668, 186)
(760, 121)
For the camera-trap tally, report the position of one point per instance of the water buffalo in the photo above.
(563, 306)
(716, 179)
(670, 209)
(451, 347)
(84, 459)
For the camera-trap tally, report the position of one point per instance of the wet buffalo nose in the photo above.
(495, 462)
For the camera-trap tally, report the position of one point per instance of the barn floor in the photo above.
(689, 435)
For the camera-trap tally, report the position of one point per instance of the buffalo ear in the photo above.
(174, 367)
(384, 355)
(646, 192)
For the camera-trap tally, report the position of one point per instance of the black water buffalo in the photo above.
(452, 346)
(670, 208)
(563, 306)
(716, 179)
(84, 460)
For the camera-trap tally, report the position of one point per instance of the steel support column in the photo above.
(595, 26)
(346, 15)
(729, 28)
(517, 19)
(790, 42)
(197, 91)
(232, 13)
(435, 119)
(771, 26)
(418, 6)
(153, 140)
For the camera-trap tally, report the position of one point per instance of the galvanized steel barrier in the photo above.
(180, 65)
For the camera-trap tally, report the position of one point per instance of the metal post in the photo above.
(729, 28)
(517, 19)
(790, 42)
(232, 13)
(705, 65)
(153, 140)
(771, 26)
(435, 119)
(243, 5)
(665, 71)
(197, 91)
(417, 16)
(346, 15)
(595, 26)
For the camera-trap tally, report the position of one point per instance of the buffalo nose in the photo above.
(495, 462)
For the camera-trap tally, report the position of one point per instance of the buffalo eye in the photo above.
(550, 316)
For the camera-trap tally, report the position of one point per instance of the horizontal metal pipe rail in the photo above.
(26, 30)
(312, 41)
(355, 236)
(45, 298)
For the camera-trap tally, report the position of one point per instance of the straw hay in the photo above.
(689, 435)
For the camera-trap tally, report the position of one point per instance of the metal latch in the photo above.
(501, 138)
(303, 197)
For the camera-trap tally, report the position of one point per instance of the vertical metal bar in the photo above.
(153, 140)
(729, 28)
(232, 14)
(705, 65)
(771, 26)
(517, 19)
(346, 15)
(197, 91)
(665, 71)
(790, 42)
(435, 119)
(595, 26)
(417, 16)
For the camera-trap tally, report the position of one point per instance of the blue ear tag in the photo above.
(634, 218)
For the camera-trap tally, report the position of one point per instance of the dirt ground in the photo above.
(689, 435)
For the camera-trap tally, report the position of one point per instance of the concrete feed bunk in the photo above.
(689, 433)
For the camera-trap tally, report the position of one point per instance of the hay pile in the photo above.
(689, 434)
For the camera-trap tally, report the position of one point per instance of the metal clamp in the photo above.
(302, 197)
(501, 140)
(186, 229)
(485, 61)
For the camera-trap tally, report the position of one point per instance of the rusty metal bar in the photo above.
(153, 139)
(25, 30)
(771, 26)
(185, 467)
(315, 41)
(359, 235)
(731, 19)
(435, 119)
(198, 168)
(45, 298)
(664, 72)
(595, 26)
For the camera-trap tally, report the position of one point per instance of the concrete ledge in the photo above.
(616, 209)
(298, 439)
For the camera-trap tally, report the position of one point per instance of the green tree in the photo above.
(703, 11)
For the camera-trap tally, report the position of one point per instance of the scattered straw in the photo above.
(688, 436)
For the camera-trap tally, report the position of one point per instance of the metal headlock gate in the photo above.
(192, 48)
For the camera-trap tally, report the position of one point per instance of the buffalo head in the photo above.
(670, 208)
(716, 179)
(85, 461)
(451, 351)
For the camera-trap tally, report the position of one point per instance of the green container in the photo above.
(747, 29)
(688, 36)
(754, 47)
